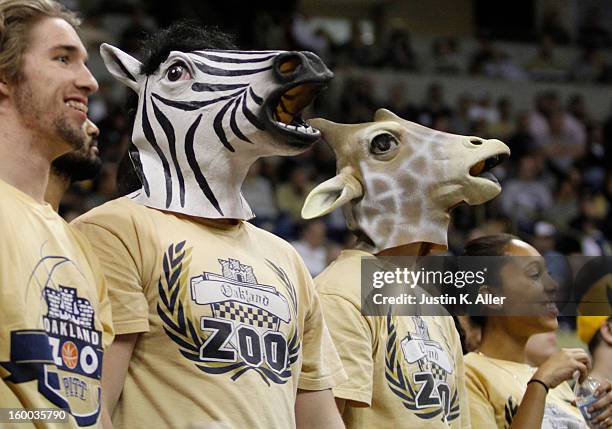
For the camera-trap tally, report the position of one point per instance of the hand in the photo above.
(603, 405)
(562, 365)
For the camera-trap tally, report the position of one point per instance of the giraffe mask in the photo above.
(397, 181)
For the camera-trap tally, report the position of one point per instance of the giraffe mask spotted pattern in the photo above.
(397, 180)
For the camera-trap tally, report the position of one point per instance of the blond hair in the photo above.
(17, 18)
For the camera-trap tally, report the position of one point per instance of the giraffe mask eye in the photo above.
(383, 144)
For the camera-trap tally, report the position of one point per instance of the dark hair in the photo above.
(17, 19)
(184, 36)
(489, 245)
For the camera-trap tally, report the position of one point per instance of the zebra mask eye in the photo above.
(178, 71)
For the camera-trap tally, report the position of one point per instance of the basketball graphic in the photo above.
(70, 355)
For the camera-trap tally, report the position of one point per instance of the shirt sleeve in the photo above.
(321, 365)
(352, 336)
(119, 264)
(482, 413)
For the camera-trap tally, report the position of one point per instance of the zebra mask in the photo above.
(205, 116)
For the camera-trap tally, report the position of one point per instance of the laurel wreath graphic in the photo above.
(178, 325)
(402, 387)
(510, 409)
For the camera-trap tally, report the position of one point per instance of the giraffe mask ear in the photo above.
(330, 195)
(122, 66)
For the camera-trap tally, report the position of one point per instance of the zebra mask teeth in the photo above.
(287, 113)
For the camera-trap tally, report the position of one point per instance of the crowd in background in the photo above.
(557, 186)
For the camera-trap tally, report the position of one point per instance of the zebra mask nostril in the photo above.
(289, 66)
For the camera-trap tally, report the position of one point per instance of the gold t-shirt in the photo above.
(231, 326)
(403, 372)
(496, 388)
(55, 313)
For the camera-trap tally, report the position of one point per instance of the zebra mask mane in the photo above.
(205, 116)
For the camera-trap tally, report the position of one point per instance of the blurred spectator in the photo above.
(589, 67)
(564, 143)
(269, 31)
(446, 57)
(592, 33)
(140, 26)
(502, 66)
(565, 206)
(578, 109)
(309, 38)
(558, 266)
(607, 222)
(484, 55)
(592, 163)
(504, 126)
(545, 65)
(433, 105)
(355, 51)
(357, 102)
(259, 193)
(483, 109)
(546, 103)
(558, 133)
(311, 246)
(290, 196)
(399, 53)
(441, 123)
(521, 140)
(525, 198)
(593, 211)
(553, 28)
(607, 140)
(460, 122)
(400, 104)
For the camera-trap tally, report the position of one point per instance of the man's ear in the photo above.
(4, 89)
(122, 66)
(331, 194)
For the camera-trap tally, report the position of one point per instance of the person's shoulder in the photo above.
(473, 361)
(111, 212)
(269, 238)
(343, 276)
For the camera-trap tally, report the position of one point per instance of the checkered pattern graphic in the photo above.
(438, 372)
(245, 314)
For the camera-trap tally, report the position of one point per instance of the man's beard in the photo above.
(77, 167)
(31, 110)
(75, 137)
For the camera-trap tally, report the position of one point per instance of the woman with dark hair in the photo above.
(504, 391)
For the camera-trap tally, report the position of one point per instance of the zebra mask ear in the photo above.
(122, 66)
